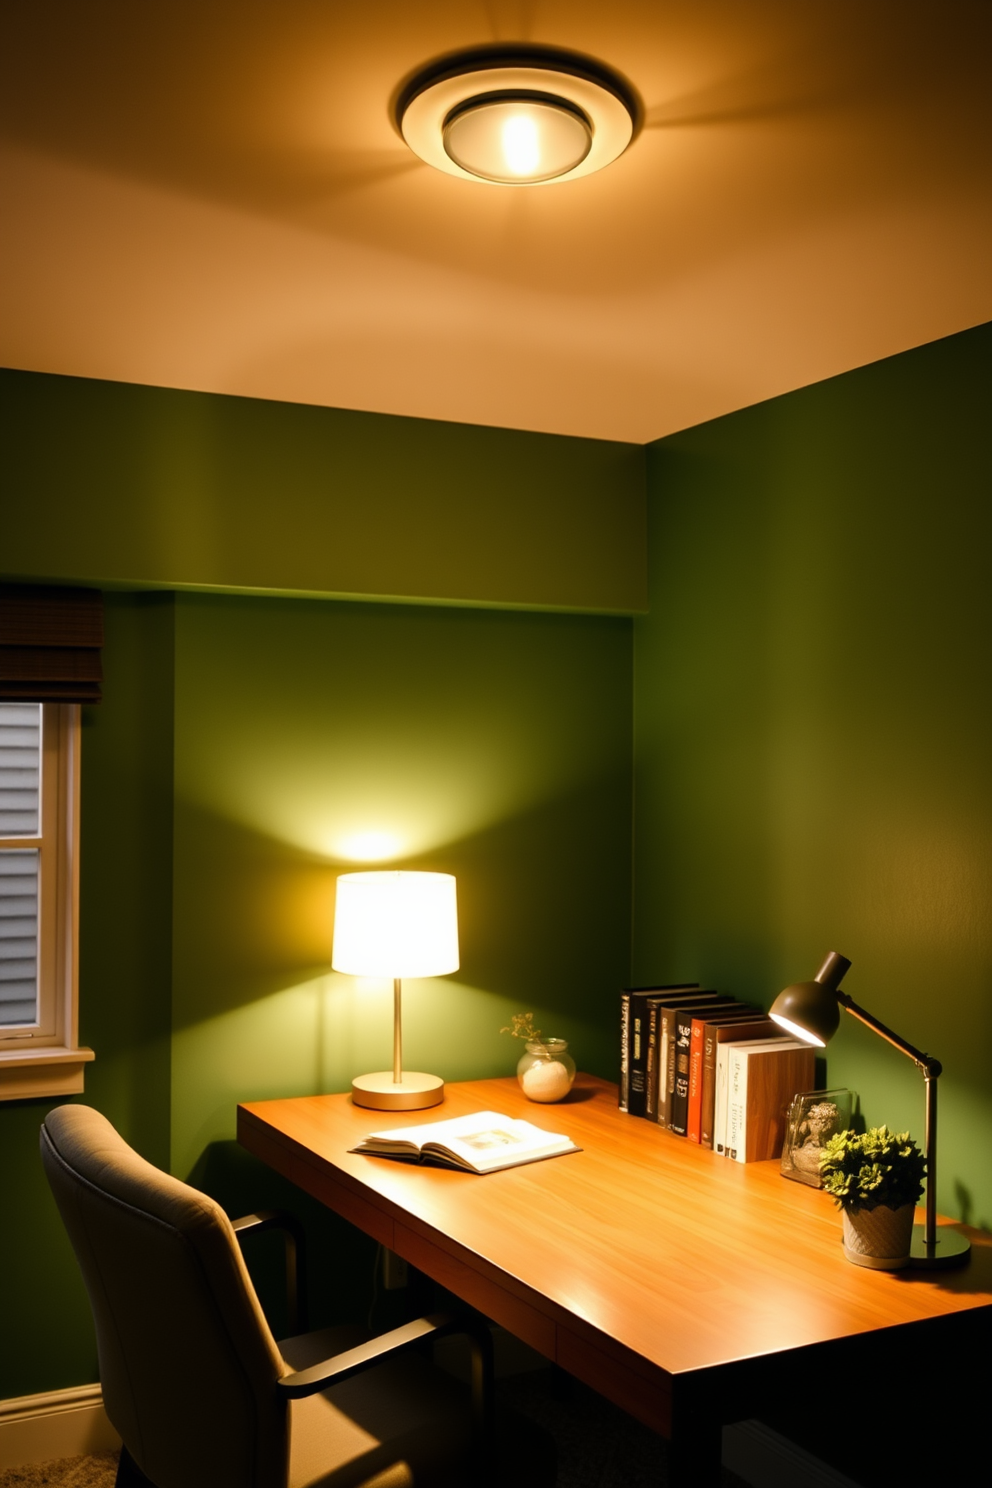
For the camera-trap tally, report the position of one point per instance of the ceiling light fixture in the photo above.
(529, 116)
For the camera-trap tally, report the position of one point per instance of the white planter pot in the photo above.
(879, 1238)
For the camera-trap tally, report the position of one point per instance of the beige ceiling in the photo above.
(212, 194)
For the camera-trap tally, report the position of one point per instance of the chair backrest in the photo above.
(187, 1362)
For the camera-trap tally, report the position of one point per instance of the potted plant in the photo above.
(546, 1069)
(876, 1178)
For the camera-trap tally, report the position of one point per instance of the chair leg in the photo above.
(483, 1385)
(129, 1474)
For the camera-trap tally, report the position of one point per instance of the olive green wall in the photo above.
(246, 749)
(110, 483)
(812, 746)
(492, 745)
(814, 723)
(245, 743)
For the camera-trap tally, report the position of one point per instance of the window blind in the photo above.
(20, 817)
(50, 642)
(18, 937)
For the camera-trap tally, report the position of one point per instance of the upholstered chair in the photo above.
(195, 1383)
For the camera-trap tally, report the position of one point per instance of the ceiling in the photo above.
(212, 194)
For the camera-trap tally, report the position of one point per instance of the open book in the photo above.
(481, 1143)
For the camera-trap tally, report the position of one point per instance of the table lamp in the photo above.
(396, 925)
(811, 1011)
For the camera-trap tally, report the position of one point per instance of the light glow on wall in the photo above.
(368, 847)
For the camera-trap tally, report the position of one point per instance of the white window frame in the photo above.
(44, 1058)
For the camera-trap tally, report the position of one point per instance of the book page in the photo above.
(501, 1142)
(483, 1141)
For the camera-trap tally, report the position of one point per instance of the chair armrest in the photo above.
(436, 1325)
(295, 1242)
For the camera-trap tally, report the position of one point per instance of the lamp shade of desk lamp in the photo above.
(811, 1011)
(396, 924)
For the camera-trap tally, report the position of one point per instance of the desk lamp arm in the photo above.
(925, 1062)
(930, 1069)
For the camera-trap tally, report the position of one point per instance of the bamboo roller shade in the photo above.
(50, 640)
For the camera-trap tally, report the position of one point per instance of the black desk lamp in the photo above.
(811, 1011)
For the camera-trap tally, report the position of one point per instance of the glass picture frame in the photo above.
(813, 1118)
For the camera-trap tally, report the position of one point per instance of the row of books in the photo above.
(709, 1068)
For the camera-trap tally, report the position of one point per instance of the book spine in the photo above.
(624, 1096)
(638, 1045)
(737, 1104)
(693, 1127)
(680, 1094)
(666, 1066)
(707, 1100)
(712, 1039)
(652, 1081)
(720, 1099)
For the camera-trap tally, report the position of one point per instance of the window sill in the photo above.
(26, 1074)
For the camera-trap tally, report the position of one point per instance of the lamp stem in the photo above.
(930, 1234)
(397, 1031)
(931, 1071)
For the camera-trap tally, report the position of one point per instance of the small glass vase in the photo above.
(546, 1071)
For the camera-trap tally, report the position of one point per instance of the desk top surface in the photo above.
(679, 1255)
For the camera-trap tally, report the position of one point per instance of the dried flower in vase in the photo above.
(546, 1069)
(522, 1027)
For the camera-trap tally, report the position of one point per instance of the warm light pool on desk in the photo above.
(396, 924)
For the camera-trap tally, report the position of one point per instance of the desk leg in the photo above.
(695, 1448)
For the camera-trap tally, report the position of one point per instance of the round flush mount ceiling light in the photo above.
(523, 117)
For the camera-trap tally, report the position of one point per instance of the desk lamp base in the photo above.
(413, 1092)
(950, 1247)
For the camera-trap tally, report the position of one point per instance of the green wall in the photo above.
(248, 745)
(248, 749)
(808, 720)
(492, 745)
(814, 723)
(110, 483)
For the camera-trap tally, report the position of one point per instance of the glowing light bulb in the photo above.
(517, 140)
(521, 145)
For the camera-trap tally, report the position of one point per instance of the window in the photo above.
(39, 895)
(50, 640)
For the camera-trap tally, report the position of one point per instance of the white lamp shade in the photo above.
(395, 925)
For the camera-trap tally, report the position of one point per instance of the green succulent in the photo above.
(862, 1170)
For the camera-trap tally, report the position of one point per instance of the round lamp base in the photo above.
(951, 1248)
(380, 1091)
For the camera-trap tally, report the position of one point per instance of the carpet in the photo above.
(96, 1471)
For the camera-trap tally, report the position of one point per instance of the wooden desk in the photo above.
(684, 1287)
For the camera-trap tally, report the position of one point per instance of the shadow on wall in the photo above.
(341, 1258)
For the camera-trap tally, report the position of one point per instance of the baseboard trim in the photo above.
(59, 1423)
(765, 1459)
